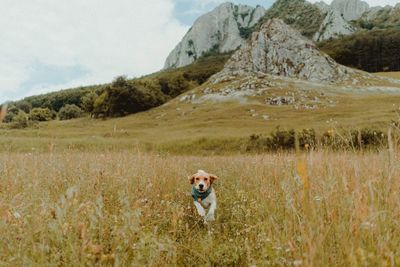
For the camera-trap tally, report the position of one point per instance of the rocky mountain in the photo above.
(299, 14)
(345, 17)
(222, 30)
(381, 17)
(279, 50)
(321, 21)
(338, 18)
(229, 26)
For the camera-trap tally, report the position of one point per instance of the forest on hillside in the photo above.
(121, 97)
(372, 51)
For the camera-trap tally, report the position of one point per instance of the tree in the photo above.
(41, 114)
(23, 105)
(100, 108)
(69, 112)
(125, 97)
(88, 100)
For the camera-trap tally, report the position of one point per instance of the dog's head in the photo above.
(202, 180)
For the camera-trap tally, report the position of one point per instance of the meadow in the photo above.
(130, 208)
(114, 192)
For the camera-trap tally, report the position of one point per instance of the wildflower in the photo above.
(297, 262)
(17, 215)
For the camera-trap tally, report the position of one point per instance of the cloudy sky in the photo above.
(56, 44)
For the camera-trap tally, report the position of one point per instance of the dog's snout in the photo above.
(201, 186)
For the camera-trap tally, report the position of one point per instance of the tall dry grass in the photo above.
(132, 209)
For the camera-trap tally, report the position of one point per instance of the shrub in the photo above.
(41, 114)
(174, 85)
(69, 112)
(367, 138)
(20, 120)
(306, 139)
(282, 140)
(12, 111)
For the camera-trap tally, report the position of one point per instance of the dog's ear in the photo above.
(191, 179)
(213, 177)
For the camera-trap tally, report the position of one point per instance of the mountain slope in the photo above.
(222, 30)
(321, 21)
(278, 58)
(299, 14)
(279, 50)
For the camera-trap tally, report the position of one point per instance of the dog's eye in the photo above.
(206, 179)
(197, 179)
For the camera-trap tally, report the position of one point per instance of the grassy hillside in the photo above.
(217, 127)
(393, 74)
(157, 88)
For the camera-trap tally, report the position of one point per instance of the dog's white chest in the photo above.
(206, 203)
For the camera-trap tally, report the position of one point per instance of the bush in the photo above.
(41, 114)
(306, 139)
(354, 139)
(20, 120)
(12, 111)
(278, 140)
(69, 112)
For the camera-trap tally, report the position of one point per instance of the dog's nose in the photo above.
(201, 186)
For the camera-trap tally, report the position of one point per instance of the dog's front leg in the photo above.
(200, 209)
(211, 213)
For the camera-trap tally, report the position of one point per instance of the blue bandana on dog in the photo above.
(200, 195)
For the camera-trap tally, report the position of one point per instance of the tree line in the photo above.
(121, 97)
(372, 51)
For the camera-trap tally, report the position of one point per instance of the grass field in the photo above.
(134, 209)
(181, 127)
(394, 74)
(114, 192)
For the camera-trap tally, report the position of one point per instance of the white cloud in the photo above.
(198, 7)
(106, 38)
(370, 2)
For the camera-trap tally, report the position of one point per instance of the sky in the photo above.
(48, 45)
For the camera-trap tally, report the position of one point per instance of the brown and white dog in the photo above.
(203, 194)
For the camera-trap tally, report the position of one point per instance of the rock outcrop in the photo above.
(341, 13)
(299, 14)
(338, 17)
(279, 50)
(222, 30)
(324, 7)
(350, 9)
(333, 26)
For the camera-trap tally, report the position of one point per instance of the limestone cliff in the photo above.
(222, 30)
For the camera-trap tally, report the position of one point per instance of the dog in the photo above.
(203, 194)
